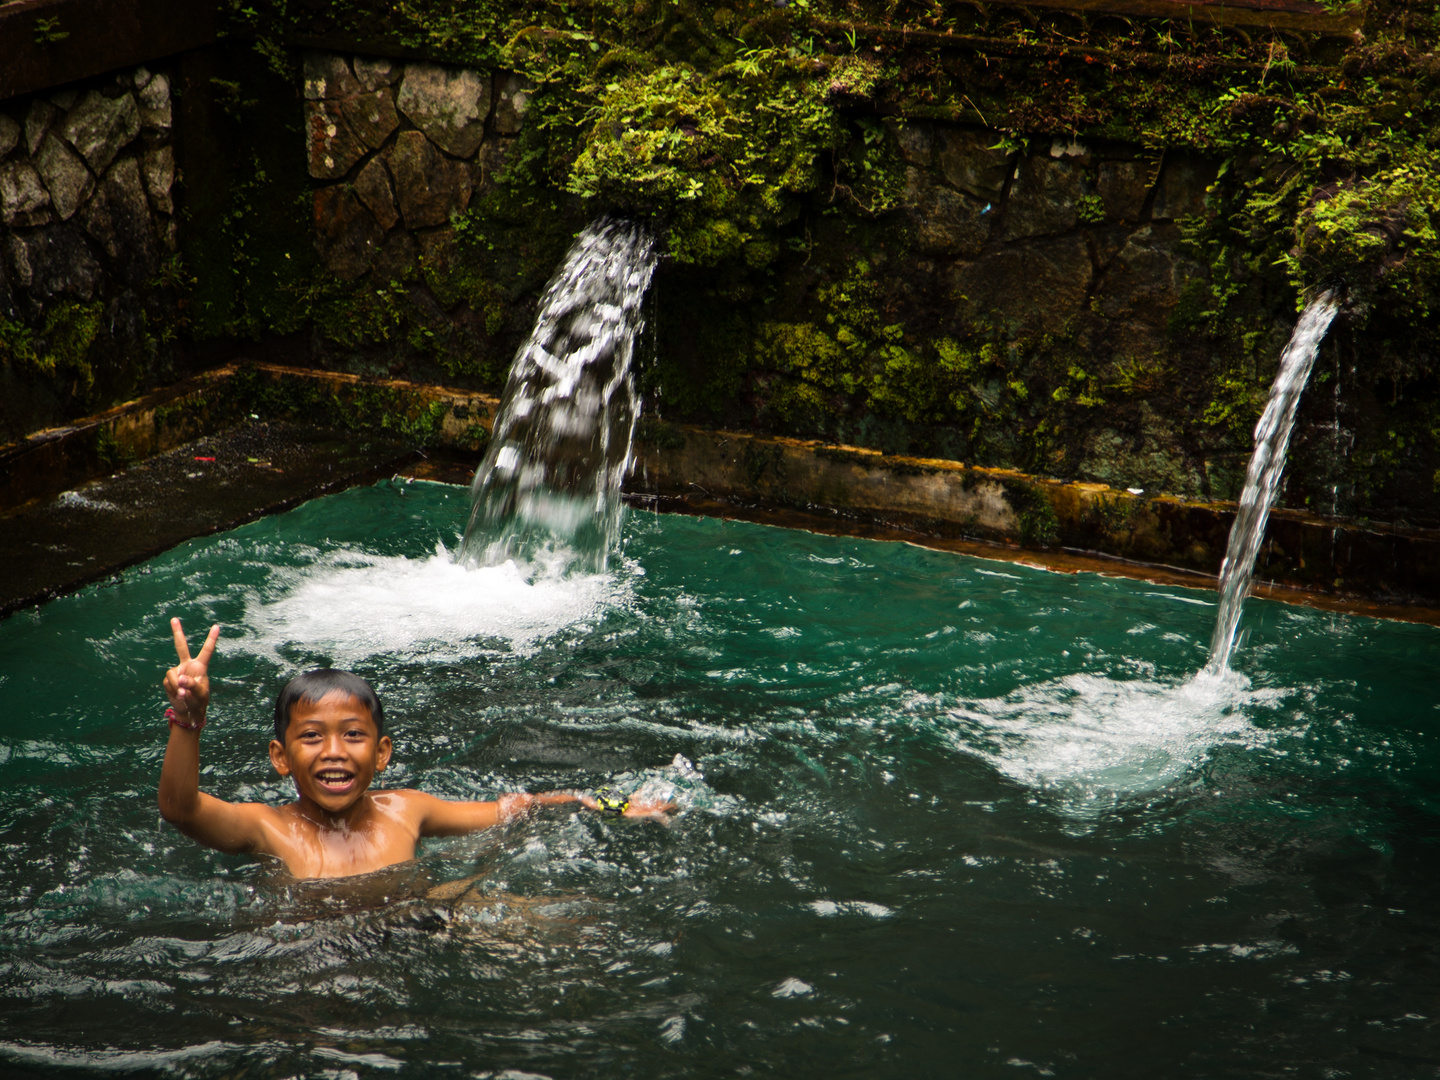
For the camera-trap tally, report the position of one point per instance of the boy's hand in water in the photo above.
(187, 684)
(659, 810)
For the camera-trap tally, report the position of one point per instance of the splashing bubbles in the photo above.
(686, 768)
(1095, 743)
(352, 605)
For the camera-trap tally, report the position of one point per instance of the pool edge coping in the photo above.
(810, 484)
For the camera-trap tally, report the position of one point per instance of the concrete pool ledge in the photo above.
(51, 461)
(1001, 513)
(1304, 554)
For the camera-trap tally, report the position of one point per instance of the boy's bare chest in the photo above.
(311, 850)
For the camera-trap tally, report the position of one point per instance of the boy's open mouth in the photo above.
(334, 779)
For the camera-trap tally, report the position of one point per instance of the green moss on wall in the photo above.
(1377, 237)
(792, 299)
(60, 350)
(358, 407)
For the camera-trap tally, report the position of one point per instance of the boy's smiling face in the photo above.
(333, 750)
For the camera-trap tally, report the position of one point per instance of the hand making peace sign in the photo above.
(187, 684)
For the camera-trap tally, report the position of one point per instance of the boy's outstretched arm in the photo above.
(227, 826)
(441, 817)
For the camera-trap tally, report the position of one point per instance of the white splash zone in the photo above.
(1096, 743)
(561, 446)
(1088, 745)
(352, 604)
(78, 500)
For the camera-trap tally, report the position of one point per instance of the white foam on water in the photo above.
(78, 500)
(792, 987)
(1095, 743)
(353, 604)
(827, 909)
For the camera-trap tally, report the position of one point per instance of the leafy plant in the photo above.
(47, 31)
(1090, 209)
(1377, 235)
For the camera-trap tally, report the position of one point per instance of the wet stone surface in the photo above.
(52, 547)
(87, 220)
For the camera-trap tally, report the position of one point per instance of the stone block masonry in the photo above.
(1019, 242)
(92, 164)
(400, 149)
(1068, 256)
(1029, 240)
(87, 221)
(1035, 240)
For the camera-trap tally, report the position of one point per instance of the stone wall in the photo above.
(1031, 241)
(87, 223)
(1056, 268)
(1080, 243)
(399, 149)
(900, 283)
(1017, 244)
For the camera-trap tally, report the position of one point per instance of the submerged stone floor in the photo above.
(52, 546)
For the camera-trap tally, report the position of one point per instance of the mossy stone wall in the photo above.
(90, 285)
(1064, 242)
(1067, 242)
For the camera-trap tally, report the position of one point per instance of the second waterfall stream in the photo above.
(1267, 465)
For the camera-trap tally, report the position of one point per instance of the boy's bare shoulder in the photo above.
(397, 798)
(403, 807)
(233, 827)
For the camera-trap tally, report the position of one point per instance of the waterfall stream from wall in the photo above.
(561, 445)
(1267, 465)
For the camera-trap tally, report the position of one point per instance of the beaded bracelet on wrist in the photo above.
(189, 725)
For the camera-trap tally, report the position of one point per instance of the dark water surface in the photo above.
(939, 817)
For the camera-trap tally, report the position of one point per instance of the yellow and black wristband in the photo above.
(611, 801)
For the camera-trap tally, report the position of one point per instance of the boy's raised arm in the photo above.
(232, 827)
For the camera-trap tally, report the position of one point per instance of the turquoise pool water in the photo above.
(939, 816)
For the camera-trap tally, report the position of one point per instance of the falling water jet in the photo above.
(1262, 478)
(561, 446)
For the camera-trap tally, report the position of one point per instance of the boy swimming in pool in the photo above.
(330, 739)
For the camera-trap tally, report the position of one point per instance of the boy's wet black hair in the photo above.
(314, 685)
